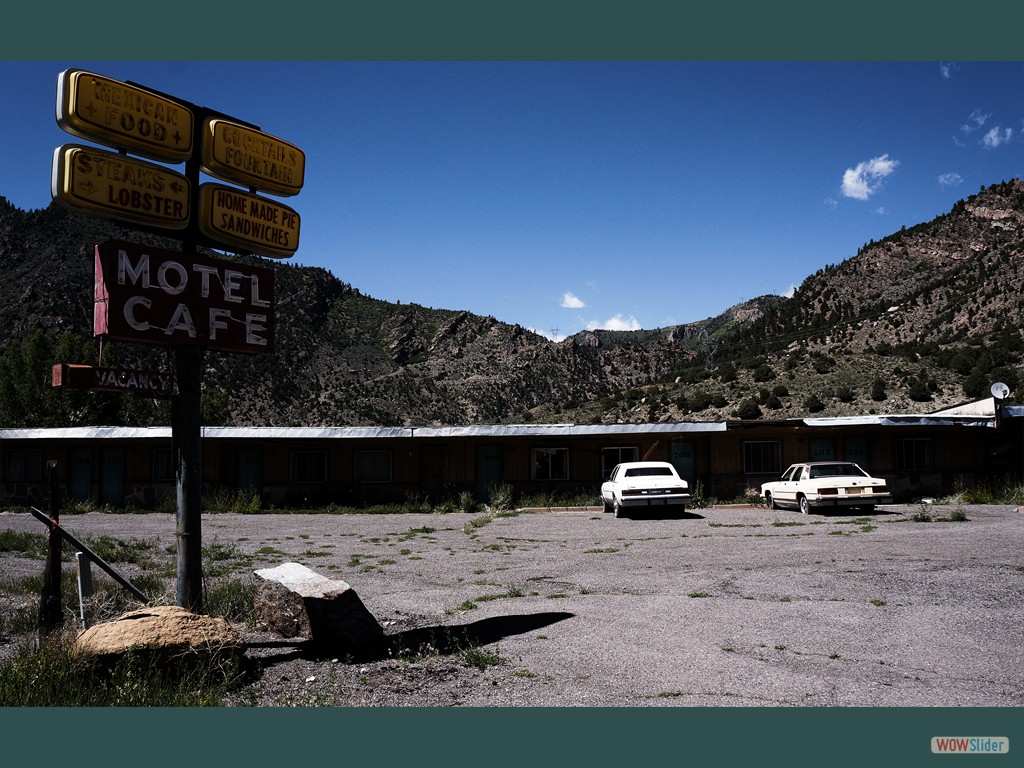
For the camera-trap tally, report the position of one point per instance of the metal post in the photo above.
(186, 426)
(84, 571)
(50, 609)
(189, 477)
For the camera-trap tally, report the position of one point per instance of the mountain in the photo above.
(923, 319)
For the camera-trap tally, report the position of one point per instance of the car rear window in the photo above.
(837, 470)
(648, 471)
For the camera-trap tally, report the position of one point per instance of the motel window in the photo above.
(914, 454)
(612, 456)
(163, 467)
(373, 466)
(309, 466)
(549, 463)
(23, 465)
(762, 457)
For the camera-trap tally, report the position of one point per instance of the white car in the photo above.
(824, 484)
(646, 484)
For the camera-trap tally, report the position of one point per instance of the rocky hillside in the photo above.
(925, 318)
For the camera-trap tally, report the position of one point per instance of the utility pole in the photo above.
(186, 430)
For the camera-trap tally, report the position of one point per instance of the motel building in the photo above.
(920, 455)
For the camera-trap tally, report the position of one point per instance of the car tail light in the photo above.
(828, 491)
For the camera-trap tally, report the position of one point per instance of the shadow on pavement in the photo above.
(438, 639)
(646, 514)
(853, 512)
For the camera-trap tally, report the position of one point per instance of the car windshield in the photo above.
(837, 470)
(648, 471)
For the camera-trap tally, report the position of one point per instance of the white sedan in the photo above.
(824, 484)
(647, 484)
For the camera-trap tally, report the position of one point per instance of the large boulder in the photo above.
(294, 601)
(168, 631)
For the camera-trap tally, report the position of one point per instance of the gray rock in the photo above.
(294, 601)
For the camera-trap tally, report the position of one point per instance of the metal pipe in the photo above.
(54, 525)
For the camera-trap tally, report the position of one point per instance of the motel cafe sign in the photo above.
(149, 295)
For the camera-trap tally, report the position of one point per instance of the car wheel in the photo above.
(805, 506)
(607, 506)
(770, 501)
(617, 509)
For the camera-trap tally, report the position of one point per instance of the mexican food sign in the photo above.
(149, 295)
(124, 116)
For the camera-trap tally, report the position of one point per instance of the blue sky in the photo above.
(574, 195)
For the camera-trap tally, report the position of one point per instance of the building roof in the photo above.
(978, 414)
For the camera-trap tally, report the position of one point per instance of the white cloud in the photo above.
(947, 69)
(571, 301)
(975, 121)
(996, 137)
(831, 202)
(616, 323)
(950, 179)
(863, 181)
(789, 292)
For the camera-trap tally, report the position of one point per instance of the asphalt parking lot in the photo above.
(724, 607)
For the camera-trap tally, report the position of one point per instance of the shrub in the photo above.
(878, 390)
(233, 500)
(813, 404)
(467, 502)
(502, 497)
(698, 499)
(748, 410)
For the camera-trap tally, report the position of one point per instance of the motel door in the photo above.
(680, 454)
(112, 477)
(80, 480)
(433, 470)
(490, 470)
(250, 469)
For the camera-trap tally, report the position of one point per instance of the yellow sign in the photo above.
(251, 158)
(248, 222)
(123, 116)
(109, 184)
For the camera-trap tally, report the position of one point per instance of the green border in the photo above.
(525, 30)
(497, 737)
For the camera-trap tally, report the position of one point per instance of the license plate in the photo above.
(853, 491)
